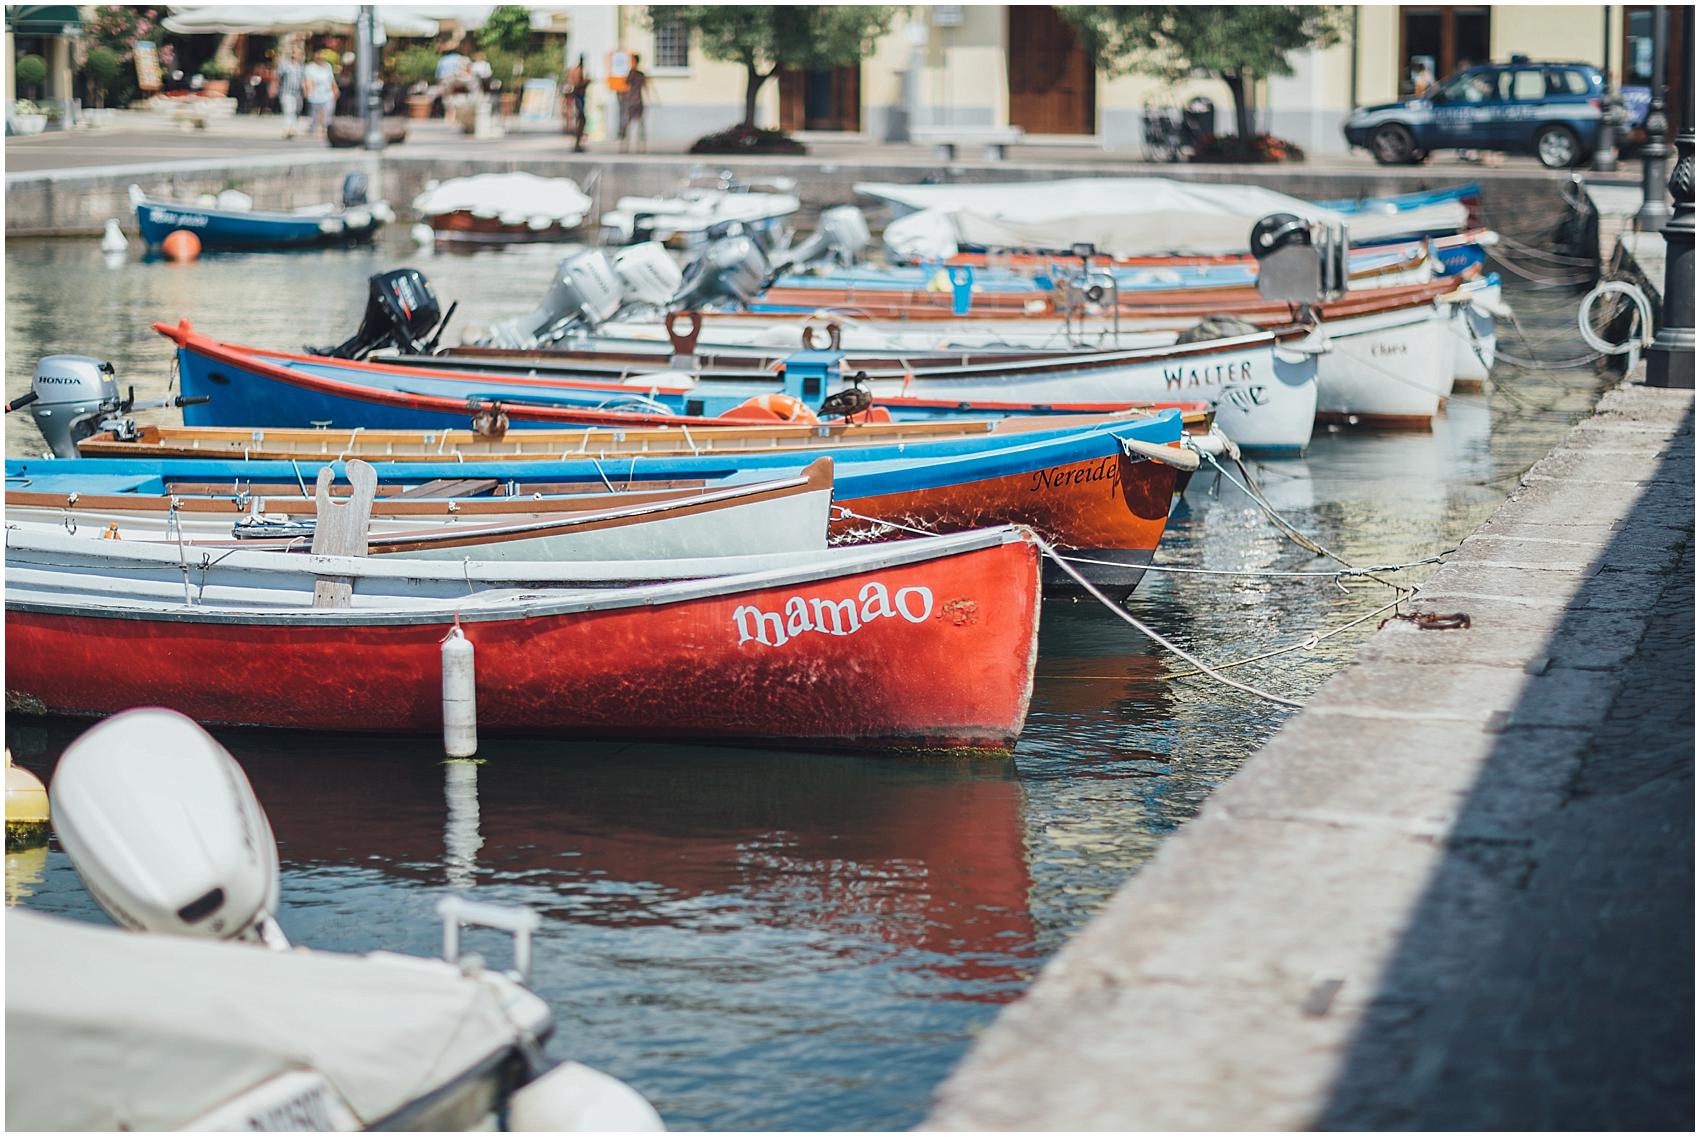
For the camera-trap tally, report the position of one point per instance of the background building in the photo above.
(1020, 65)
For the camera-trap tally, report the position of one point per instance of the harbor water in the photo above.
(778, 940)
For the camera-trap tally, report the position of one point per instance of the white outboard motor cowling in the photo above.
(648, 273)
(69, 397)
(731, 270)
(586, 289)
(165, 830)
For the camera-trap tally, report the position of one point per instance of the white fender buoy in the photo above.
(26, 807)
(422, 234)
(460, 696)
(113, 239)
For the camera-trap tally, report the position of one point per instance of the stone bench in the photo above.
(945, 139)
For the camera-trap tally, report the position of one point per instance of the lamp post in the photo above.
(1605, 144)
(368, 38)
(1654, 212)
(1670, 359)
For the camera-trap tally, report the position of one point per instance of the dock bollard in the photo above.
(460, 696)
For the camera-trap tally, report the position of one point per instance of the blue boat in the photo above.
(226, 228)
(1082, 489)
(1404, 202)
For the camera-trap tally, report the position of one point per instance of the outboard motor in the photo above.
(648, 275)
(74, 396)
(69, 399)
(586, 289)
(165, 830)
(401, 312)
(354, 188)
(732, 270)
(839, 239)
(1298, 261)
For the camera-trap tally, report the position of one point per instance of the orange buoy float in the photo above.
(773, 408)
(181, 245)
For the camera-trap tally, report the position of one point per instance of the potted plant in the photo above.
(101, 69)
(217, 78)
(26, 118)
(414, 69)
(30, 73)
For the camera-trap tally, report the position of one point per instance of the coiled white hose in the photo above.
(1640, 336)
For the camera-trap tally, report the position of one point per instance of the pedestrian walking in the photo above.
(319, 87)
(631, 108)
(290, 81)
(578, 88)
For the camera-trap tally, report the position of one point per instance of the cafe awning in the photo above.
(237, 19)
(43, 20)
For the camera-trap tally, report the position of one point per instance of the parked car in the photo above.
(1550, 110)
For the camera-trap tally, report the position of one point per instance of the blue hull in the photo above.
(859, 472)
(230, 229)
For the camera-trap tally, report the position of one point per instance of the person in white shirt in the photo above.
(318, 84)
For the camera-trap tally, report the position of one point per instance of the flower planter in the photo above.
(419, 106)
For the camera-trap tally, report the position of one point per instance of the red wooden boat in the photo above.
(910, 645)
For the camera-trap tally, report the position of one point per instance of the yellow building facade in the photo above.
(997, 65)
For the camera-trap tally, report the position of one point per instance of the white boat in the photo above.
(1130, 217)
(112, 1030)
(502, 208)
(201, 1015)
(686, 217)
(780, 515)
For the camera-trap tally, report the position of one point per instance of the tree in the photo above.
(508, 29)
(1240, 44)
(767, 38)
(102, 69)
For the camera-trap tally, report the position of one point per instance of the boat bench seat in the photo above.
(945, 139)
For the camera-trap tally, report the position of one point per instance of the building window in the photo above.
(672, 45)
(1441, 40)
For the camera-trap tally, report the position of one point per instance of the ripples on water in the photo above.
(769, 940)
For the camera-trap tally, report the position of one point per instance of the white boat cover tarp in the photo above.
(1133, 217)
(515, 199)
(121, 1030)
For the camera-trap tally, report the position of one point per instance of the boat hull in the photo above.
(1389, 370)
(233, 229)
(944, 662)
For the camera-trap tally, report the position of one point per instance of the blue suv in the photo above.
(1550, 110)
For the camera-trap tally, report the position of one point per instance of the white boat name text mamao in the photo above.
(832, 617)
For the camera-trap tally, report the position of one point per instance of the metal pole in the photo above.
(369, 37)
(1670, 359)
(1605, 142)
(1654, 212)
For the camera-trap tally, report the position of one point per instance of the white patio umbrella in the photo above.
(235, 19)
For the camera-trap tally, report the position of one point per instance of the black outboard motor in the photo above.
(354, 188)
(401, 312)
(731, 271)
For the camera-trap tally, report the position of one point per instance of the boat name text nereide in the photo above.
(1207, 376)
(831, 617)
(1105, 470)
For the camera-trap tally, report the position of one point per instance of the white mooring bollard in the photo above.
(460, 696)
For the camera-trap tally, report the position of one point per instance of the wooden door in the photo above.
(1052, 84)
(824, 99)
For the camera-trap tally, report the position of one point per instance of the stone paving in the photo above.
(1456, 892)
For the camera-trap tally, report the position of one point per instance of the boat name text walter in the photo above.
(1207, 376)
